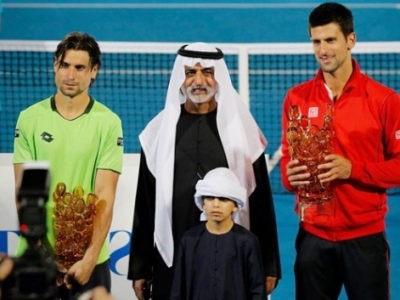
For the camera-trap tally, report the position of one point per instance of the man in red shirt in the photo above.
(342, 241)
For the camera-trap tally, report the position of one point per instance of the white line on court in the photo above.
(191, 5)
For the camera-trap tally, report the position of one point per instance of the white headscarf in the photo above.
(242, 140)
(220, 182)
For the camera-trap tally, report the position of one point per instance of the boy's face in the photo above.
(219, 209)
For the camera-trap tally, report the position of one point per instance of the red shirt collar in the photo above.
(351, 83)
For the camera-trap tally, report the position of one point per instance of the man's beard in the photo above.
(201, 98)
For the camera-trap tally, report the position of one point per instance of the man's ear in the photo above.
(94, 72)
(351, 40)
(55, 66)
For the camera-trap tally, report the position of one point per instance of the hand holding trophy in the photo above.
(73, 221)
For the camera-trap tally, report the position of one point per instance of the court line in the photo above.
(190, 5)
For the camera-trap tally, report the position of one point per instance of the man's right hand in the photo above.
(141, 287)
(297, 175)
(6, 266)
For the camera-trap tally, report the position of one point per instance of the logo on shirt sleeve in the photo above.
(120, 141)
(16, 133)
(397, 135)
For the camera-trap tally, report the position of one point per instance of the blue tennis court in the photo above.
(187, 21)
(209, 21)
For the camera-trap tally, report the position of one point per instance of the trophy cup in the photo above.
(309, 144)
(73, 222)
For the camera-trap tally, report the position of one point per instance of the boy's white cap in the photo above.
(220, 182)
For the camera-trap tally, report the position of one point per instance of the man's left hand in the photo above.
(336, 167)
(270, 283)
(80, 272)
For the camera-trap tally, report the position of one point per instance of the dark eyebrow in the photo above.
(64, 63)
(330, 38)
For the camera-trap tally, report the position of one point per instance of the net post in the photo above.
(243, 76)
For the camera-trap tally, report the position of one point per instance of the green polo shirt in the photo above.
(75, 149)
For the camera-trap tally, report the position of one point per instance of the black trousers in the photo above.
(101, 276)
(323, 267)
(162, 279)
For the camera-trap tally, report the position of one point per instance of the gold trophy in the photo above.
(310, 144)
(73, 223)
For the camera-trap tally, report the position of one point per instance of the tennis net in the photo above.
(134, 77)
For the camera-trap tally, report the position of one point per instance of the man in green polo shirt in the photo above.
(82, 140)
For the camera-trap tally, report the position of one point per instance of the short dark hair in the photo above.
(79, 41)
(332, 12)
